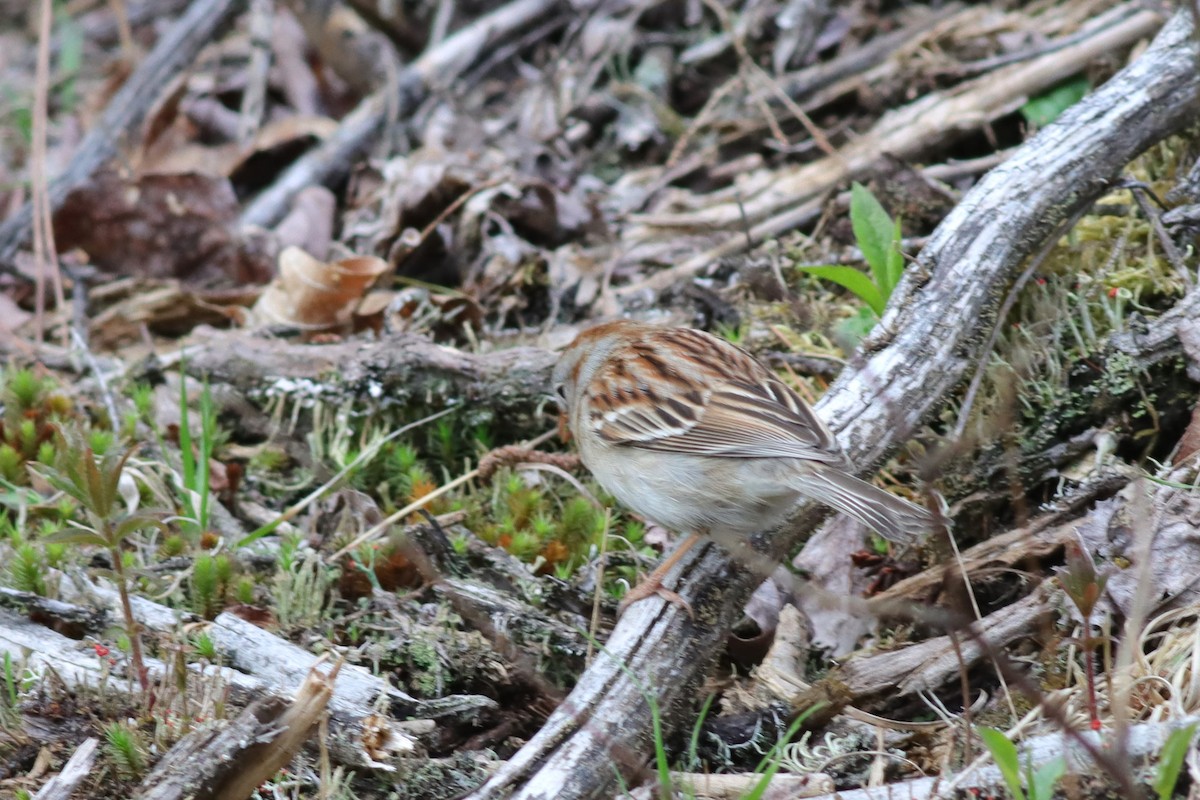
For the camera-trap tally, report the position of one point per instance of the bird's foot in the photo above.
(653, 586)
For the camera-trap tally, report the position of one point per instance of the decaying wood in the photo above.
(228, 761)
(932, 663)
(54, 614)
(125, 112)
(363, 712)
(64, 784)
(400, 370)
(78, 668)
(922, 348)
(437, 68)
(276, 664)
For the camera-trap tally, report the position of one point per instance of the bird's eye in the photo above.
(561, 391)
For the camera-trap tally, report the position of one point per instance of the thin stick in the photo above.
(45, 254)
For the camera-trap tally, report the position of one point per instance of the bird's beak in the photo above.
(564, 432)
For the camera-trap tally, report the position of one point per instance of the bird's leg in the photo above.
(653, 582)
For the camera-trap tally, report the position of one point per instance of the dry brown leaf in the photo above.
(317, 295)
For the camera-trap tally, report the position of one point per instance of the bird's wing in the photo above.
(731, 406)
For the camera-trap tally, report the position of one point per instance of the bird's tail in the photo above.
(893, 518)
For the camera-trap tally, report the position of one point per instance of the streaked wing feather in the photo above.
(732, 420)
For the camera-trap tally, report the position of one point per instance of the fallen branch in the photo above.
(64, 784)
(921, 349)
(41, 650)
(391, 373)
(279, 664)
(229, 761)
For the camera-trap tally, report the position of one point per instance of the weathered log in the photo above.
(396, 372)
(259, 664)
(922, 348)
(228, 760)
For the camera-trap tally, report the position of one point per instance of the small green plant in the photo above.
(142, 395)
(10, 708)
(205, 590)
(11, 690)
(878, 237)
(204, 647)
(32, 409)
(27, 571)
(196, 456)
(1037, 784)
(300, 593)
(93, 483)
(244, 590)
(1171, 760)
(125, 747)
(71, 41)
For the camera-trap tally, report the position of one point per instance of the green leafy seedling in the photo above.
(1004, 753)
(1043, 779)
(93, 482)
(878, 236)
(1084, 584)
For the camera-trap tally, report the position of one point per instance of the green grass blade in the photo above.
(185, 436)
(208, 424)
(771, 761)
(694, 741)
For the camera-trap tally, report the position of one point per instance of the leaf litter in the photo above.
(680, 162)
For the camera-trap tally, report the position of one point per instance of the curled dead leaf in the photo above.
(316, 295)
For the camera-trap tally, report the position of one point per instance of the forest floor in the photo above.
(284, 511)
